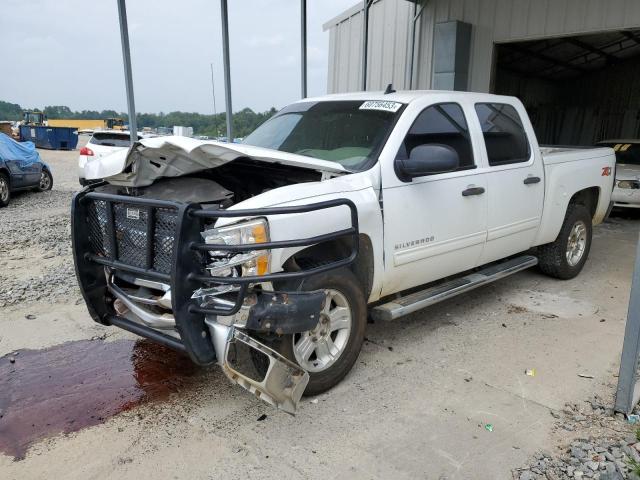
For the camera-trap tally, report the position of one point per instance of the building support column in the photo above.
(366, 4)
(128, 77)
(303, 48)
(628, 392)
(224, 14)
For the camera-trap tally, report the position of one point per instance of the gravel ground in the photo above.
(36, 255)
(35, 259)
(604, 446)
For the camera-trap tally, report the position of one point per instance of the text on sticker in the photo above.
(381, 105)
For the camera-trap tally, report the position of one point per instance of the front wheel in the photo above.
(46, 181)
(329, 351)
(565, 257)
(5, 193)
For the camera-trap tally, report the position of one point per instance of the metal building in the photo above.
(574, 63)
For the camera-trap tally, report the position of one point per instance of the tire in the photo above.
(344, 292)
(5, 193)
(566, 256)
(46, 181)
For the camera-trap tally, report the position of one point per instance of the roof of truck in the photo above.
(403, 96)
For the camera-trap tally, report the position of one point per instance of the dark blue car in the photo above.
(21, 168)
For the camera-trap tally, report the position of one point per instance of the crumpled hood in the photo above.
(153, 158)
(627, 172)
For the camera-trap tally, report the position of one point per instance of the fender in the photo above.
(361, 188)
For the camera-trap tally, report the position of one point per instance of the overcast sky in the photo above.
(69, 53)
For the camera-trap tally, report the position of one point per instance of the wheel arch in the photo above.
(588, 197)
(321, 253)
(5, 170)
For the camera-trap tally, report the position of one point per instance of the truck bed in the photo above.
(562, 154)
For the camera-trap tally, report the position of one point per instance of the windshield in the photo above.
(346, 132)
(626, 153)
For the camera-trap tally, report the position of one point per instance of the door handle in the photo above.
(531, 180)
(472, 191)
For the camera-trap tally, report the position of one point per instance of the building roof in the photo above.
(569, 56)
(350, 12)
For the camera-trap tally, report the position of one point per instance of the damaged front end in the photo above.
(161, 269)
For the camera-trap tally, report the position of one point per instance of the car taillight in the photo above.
(86, 151)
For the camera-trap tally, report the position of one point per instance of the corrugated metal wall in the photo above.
(388, 41)
(493, 21)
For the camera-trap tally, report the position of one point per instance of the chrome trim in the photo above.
(417, 301)
(153, 320)
(143, 282)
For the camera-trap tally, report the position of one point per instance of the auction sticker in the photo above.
(381, 105)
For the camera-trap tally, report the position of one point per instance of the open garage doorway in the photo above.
(578, 90)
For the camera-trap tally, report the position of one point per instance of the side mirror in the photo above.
(427, 160)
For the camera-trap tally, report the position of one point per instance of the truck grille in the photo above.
(126, 231)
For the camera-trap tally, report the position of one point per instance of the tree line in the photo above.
(244, 121)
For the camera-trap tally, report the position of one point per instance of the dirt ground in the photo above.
(416, 405)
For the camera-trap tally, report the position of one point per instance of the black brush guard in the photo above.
(103, 245)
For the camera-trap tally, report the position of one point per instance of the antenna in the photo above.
(389, 89)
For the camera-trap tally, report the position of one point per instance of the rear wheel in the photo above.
(329, 350)
(566, 257)
(5, 193)
(46, 181)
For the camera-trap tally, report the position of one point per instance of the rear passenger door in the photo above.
(515, 180)
(434, 225)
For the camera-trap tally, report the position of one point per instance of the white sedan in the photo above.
(102, 143)
(626, 191)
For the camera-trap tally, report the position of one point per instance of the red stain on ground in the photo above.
(79, 384)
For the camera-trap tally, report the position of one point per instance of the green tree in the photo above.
(10, 111)
(244, 121)
(58, 111)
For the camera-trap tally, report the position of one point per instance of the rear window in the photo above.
(111, 139)
(626, 153)
(504, 135)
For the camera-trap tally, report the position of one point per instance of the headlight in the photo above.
(629, 184)
(255, 262)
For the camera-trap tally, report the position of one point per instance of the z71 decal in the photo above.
(606, 171)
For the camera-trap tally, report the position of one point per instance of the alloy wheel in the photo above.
(318, 349)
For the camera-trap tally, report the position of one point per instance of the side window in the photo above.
(442, 124)
(504, 135)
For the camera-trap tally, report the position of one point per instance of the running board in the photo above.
(417, 301)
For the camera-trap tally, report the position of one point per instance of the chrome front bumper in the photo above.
(283, 383)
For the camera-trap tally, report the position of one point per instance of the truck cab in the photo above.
(337, 208)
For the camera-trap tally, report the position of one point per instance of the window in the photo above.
(504, 135)
(442, 124)
(112, 139)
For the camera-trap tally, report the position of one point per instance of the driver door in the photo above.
(435, 225)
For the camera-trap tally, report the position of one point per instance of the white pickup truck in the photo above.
(337, 208)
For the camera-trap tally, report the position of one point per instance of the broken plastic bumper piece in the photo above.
(283, 383)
